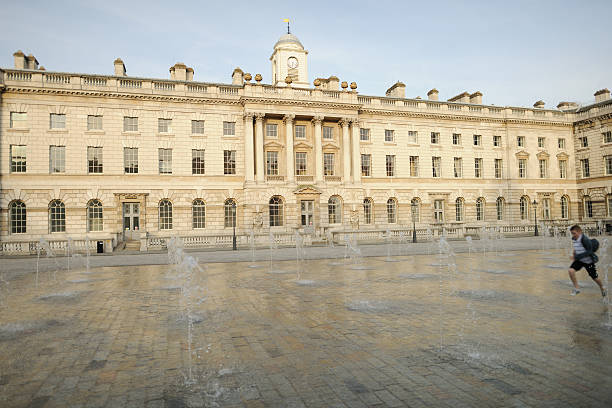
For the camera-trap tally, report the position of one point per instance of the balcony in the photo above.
(333, 179)
(275, 178)
(304, 179)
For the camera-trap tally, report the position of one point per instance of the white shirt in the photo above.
(579, 249)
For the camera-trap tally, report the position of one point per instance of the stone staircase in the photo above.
(131, 246)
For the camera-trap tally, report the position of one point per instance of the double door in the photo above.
(131, 220)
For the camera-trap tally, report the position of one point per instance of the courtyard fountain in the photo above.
(252, 244)
(389, 246)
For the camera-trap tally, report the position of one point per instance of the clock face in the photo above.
(292, 62)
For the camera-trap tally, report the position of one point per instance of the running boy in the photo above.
(583, 257)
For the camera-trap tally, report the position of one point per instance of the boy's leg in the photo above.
(593, 274)
(572, 275)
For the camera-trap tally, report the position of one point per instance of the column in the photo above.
(289, 140)
(249, 158)
(259, 147)
(318, 151)
(346, 151)
(356, 152)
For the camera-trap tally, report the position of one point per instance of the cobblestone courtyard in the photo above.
(479, 329)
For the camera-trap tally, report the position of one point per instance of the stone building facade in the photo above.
(120, 158)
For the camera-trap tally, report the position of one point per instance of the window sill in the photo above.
(95, 132)
(130, 133)
(457, 146)
(18, 130)
(390, 144)
(201, 135)
(165, 134)
(57, 130)
(413, 144)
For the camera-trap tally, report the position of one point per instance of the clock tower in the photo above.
(289, 59)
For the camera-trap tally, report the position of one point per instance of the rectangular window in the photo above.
(272, 163)
(588, 208)
(456, 138)
(458, 167)
(522, 166)
(546, 208)
(439, 211)
(390, 165)
(477, 140)
(328, 164)
(478, 168)
(130, 160)
(498, 168)
(164, 125)
(584, 141)
(366, 165)
(197, 161)
(520, 141)
(436, 166)
(562, 169)
(364, 135)
(300, 163)
(165, 161)
(272, 130)
(414, 166)
(94, 160)
(328, 132)
(389, 135)
(94, 122)
(413, 136)
(585, 168)
(197, 127)
(543, 163)
(130, 124)
(435, 137)
(18, 120)
(541, 142)
(18, 159)
(561, 143)
(609, 200)
(229, 128)
(57, 159)
(607, 137)
(608, 165)
(496, 141)
(57, 121)
(300, 132)
(229, 161)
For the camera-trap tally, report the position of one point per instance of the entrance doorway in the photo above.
(131, 221)
(307, 213)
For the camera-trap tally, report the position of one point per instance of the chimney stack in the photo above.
(539, 105)
(20, 62)
(119, 67)
(189, 74)
(462, 97)
(433, 95)
(237, 76)
(476, 98)
(602, 95)
(178, 71)
(397, 90)
(31, 62)
(565, 106)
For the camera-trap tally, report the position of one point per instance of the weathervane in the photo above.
(286, 20)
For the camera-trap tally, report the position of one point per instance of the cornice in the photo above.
(320, 104)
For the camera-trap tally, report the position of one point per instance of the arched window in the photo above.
(275, 207)
(564, 207)
(499, 206)
(198, 214)
(415, 209)
(165, 215)
(480, 203)
(17, 217)
(230, 213)
(524, 207)
(95, 220)
(588, 207)
(392, 211)
(334, 210)
(57, 216)
(367, 210)
(459, 209)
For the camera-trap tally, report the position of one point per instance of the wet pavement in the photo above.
(476, 329)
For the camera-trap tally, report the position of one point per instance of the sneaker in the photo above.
(604, 293)
(575, 292)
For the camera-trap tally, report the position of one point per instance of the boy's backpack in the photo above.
(595, 246)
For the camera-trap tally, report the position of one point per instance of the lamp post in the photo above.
(234, 224)
(535, 217)
(413, 206)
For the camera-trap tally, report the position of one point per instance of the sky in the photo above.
(514, 52)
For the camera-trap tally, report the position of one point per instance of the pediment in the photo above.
(330, 146)
(522, 154)
(302, 145)
(273, 144)
(562, 156)
(542, 155)
(305, 190)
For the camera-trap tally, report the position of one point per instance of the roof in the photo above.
(288, 39)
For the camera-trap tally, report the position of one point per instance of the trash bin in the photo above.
(100, 247)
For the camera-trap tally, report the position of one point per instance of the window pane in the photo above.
(272, 163)
(18, 120)
(130, 160)
(364, 134)
(57, 216)
(328, 132)
(130, 124)
(300, 163)
(328, 164)
(17, 217)
(165, 215)
(94, 122)
(94, 159)
(230, 213)
(271, 130)
(229, 128)
(197, 161)
(366, 163)
(300, 132)
(198, 213)
(18, 159)
(229, 162)
(57, 121)
(57, 159)
(197, 127)
(165, 161)
(95, 220)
